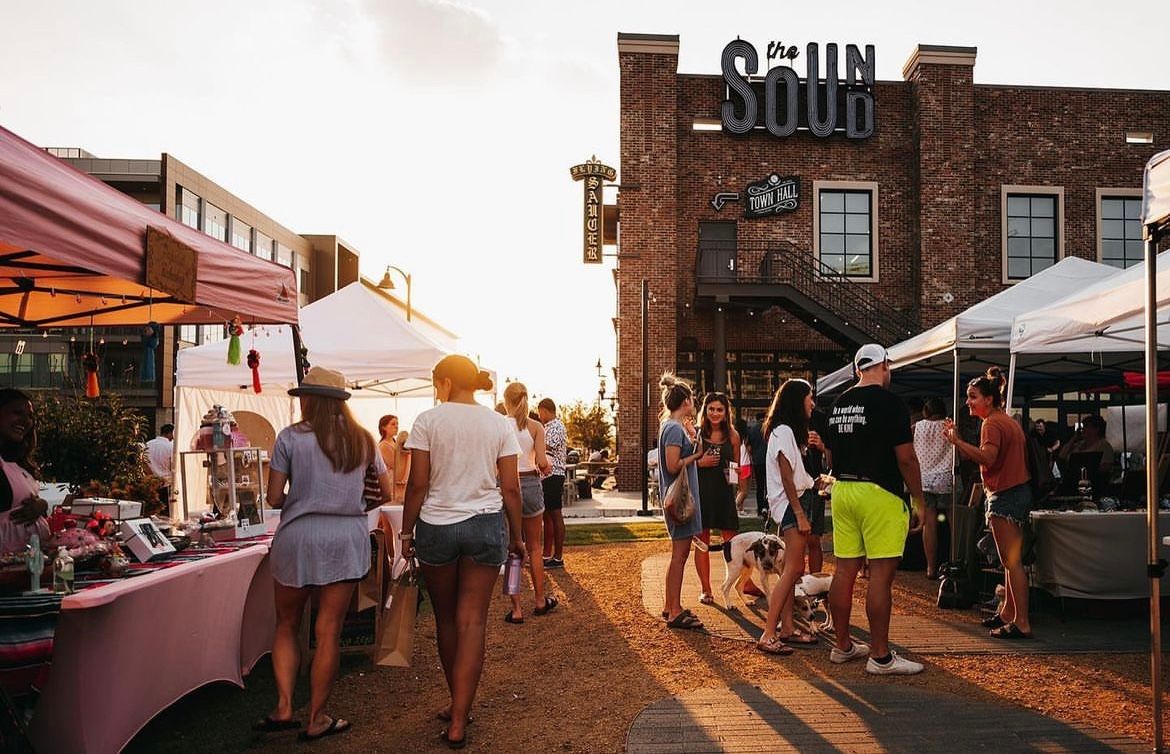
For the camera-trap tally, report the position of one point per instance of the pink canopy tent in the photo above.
(74, 251)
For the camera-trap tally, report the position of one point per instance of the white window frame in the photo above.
(872, 188)
(1004, 191)
(1110, 193)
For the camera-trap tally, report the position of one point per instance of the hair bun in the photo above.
(995, 374)
(484, 381)
(668, 380)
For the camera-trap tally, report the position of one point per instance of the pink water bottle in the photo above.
(512, 571)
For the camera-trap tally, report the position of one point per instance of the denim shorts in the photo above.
(480, 538)
(532, 496)
(1014, 503)
(814, 508)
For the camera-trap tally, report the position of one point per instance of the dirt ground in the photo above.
(574, 680)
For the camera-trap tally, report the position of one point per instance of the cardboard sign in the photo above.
(171, 265)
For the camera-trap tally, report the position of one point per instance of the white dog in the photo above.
(748, 552)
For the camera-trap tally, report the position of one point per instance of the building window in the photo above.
(263, 246)
(189, 209)
(284, 255)
(304, 281)
(1031, 230)
(212, 333)
(845, 228)
(189, 333)
(241, 235)
(1120, 229)
(215, 222)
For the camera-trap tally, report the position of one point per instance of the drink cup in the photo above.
(512, 570)
(732, 472)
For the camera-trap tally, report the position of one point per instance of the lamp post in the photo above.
(387, 284)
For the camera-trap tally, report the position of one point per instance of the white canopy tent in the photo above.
(356, 330)
(986, 326)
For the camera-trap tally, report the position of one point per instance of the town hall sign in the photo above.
(789, 103)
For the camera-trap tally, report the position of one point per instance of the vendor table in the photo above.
(125, 651)
(1094, 555)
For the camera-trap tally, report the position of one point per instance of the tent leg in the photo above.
(1154, 567)
(1011, 383)
(298, 362)
(954, 458)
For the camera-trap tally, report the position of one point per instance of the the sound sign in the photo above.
(593, 175)
(790, 103)
(772, 196)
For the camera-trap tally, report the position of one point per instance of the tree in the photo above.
(587, 426)
(93, 445)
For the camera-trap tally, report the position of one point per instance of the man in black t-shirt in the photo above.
(873, 457)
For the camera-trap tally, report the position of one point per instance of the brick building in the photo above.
(925, 196)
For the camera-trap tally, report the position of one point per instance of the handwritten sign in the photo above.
(593, 175)
(171, 265)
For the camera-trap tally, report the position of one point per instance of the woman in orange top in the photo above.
(1004, 468)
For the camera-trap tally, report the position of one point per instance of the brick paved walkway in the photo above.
(909, 633)
(828, 718)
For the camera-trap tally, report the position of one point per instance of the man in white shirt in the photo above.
(160, 457)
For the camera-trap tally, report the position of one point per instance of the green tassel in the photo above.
(234, 350)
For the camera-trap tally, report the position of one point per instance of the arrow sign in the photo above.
(723, 197)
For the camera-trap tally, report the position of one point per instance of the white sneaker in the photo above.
(858, 650)
(896, 666)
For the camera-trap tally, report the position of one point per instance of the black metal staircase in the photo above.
(845, 310)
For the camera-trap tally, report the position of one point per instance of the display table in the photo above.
(125, 651)
(1094, 555)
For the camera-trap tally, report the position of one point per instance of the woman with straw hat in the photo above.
(322, 543)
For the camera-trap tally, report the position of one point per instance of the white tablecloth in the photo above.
(1094, 555)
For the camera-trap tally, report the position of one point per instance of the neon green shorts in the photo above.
(868, 521)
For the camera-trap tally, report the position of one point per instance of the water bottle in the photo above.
(63, 572)
(512, 570)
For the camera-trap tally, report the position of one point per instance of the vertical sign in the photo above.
(593, 176)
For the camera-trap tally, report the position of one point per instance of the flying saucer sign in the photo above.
(593, 175)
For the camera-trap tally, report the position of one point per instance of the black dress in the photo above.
(716, 496)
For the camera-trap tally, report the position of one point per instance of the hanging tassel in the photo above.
(150, 338)
(90, 362)
(235, 330)
(254, 365)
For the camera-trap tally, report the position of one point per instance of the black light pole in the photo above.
(645, 406)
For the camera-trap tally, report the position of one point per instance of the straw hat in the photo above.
(324, 382)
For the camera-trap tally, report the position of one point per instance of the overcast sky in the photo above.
(437, 135)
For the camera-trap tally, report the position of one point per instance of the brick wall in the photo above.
(941, 151)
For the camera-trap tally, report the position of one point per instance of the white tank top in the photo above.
(527, 459)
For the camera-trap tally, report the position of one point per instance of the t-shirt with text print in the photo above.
(865, 426)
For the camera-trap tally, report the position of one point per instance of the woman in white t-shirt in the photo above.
(453, 521)
(791, 492)
(936, 457)
(531, 463)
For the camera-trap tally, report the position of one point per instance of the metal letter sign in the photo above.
(594, 175)
(820, 107)
(772, 196)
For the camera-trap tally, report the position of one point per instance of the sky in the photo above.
(437, 135)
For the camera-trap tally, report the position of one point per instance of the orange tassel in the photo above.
(90, 362)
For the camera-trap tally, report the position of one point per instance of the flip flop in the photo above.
(335, 726)
(706, 598)
(550, 604)
(509, 619)
(685, 620)
(445, 717)
(1011, 631)
(267, 724)
(800, 639)
(775, 646)
(452, 743)
(993, 622)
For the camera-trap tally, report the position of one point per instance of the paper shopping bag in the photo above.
(396, 637)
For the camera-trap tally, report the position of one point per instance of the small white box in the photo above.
(144, 540)
(120, 510)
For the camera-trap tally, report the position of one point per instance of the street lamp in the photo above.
(601, 379)
(387, 284)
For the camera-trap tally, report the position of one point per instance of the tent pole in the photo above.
(1154, 563)
(1011, 383)
(297, 346)
(954, 459)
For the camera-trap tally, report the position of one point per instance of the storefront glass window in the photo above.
(1031, 230)
(846, 225)
(1121, 231)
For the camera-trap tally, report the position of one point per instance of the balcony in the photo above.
(764, 273)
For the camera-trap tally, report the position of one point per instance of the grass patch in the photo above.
(604, 534)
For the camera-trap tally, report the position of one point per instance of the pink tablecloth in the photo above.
(126, 651)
